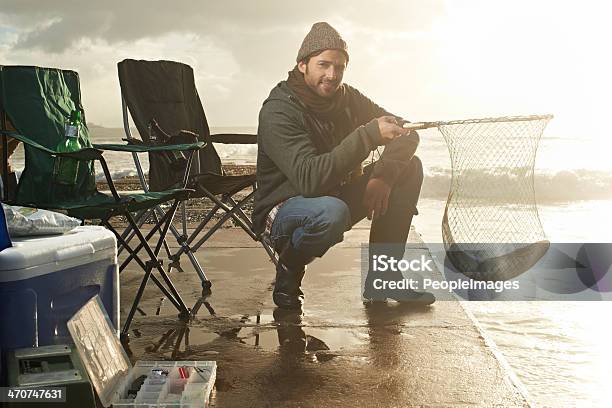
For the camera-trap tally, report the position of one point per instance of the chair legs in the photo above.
(189, 244)
(141, 218)
(181, 238)
(233, 209)
(167, 287)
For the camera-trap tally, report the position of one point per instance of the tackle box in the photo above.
(148, 383)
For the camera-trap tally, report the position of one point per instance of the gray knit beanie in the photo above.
(321, 37)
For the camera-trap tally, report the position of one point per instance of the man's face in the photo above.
(323, 73)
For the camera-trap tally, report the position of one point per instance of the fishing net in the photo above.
(491, 229)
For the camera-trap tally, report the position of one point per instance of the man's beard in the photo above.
(319, 82)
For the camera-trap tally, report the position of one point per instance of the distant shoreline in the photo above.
(196, 208)
(132, 183)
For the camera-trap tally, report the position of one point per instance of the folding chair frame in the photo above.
(154, 263)
(234, 211)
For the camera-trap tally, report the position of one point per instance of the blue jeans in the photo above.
(315, 224)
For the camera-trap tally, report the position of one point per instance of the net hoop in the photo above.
(491, 227)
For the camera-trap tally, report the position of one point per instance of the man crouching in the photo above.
(314, 133)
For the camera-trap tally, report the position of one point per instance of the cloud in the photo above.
(56, 26)
(425, 60)
(239, 50)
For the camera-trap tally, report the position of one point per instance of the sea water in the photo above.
(121, 164)
(561, 351)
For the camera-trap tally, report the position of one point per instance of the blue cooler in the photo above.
(44, 281)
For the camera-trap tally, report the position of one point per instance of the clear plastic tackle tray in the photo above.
(167, 383)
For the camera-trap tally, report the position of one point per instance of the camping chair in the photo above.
(38, 101)
(165, 91)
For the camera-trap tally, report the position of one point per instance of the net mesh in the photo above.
(491, 229)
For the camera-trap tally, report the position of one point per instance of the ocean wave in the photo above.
(550, 186)
(560, 186)
(115, 175)
(553, 187)
(242, 151)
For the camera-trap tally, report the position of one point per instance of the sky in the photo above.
(423, 60)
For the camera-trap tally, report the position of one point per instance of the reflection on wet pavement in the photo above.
(284, 331)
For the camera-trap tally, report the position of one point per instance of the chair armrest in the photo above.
(143, 148)
(87, 153)
(234, 138)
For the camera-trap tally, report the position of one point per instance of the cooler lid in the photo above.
(99, 348)
(79, 244)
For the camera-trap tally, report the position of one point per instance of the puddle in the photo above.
(267, 332)
(178, 341)
(263, 319)
(265, 340)
(196, 336)
(288, 334)
(338, 338)
(315, 339)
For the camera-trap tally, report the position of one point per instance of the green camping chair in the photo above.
(166, 91)
(38, 102)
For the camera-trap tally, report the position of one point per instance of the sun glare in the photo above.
(531, 57)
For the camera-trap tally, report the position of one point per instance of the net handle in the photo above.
(429, 125)
(420, 125)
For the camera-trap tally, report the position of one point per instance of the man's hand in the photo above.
(389, 128)
(376, 198)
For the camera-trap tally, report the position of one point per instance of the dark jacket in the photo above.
(300, 153)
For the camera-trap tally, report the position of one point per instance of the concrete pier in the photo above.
(338, 353)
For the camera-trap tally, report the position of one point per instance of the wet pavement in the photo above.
(338, 352)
